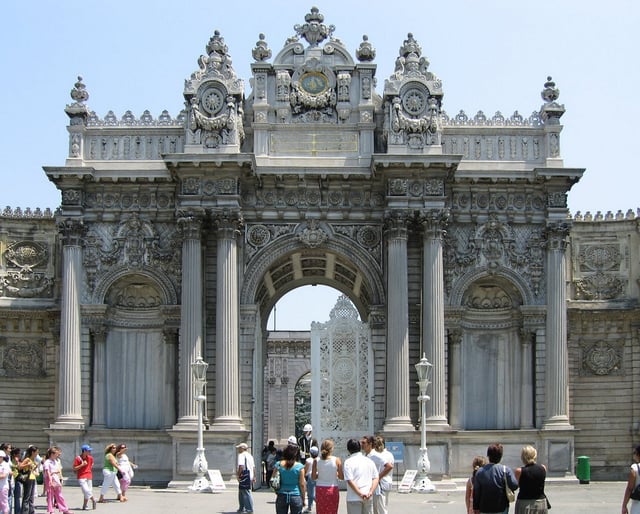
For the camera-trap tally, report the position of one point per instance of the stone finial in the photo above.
(261, 52)
(78, 111)
(366, 52)
(79, 92)
(216, 44)
(551, 111)
(314, 30)
(550, 93)
(410, 46)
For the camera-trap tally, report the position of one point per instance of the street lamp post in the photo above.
(200, 466)
(421, 483)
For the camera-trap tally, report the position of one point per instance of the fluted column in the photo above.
(190, 346)
(69, 407)
(526, 386)
(433, 332)
(227, 414)
(398, 417)
(557, 358)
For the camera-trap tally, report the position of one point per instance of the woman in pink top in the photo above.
(53, 481)
(327, 470)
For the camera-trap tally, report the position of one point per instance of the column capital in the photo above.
(556, 236)
(72, 231)
(228, 222)
(190, 224)
(434, 222)
(396, 223)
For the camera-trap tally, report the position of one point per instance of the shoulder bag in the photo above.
(511, 496)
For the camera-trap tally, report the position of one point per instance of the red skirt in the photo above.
(327, 499)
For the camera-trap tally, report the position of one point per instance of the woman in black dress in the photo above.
(531, 477)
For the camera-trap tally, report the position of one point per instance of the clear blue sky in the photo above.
(491, 55)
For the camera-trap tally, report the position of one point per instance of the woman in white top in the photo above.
(327, 470)
(632, 481)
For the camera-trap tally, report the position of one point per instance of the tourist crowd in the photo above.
(26, 475)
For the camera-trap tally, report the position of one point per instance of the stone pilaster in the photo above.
(398, 416)
(190, 347)
(557, 355)
(69, 408)
(526, 381)
(99, 336)
(227, 415)
(433, 331)
(455, 355)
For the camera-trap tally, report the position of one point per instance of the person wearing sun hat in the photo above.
(83, 466)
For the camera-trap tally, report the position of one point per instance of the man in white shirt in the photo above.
(361, 476)
(246, 472)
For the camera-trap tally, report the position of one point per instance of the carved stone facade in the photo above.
(450, 234)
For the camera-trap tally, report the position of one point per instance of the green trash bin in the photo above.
(583, 471)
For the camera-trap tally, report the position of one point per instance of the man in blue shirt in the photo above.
(489, 493)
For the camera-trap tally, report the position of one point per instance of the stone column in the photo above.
(455, 357)
(227, 416)
(526, 383)
(433, 332)
(69, 407)
(190, 346)
(557, 355)
(398, 416)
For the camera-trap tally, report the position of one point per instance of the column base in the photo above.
(398, 425)
(438, 423)
(557, 423)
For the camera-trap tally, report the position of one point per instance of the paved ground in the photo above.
(566, 498)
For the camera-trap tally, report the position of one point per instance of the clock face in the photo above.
(314, 83)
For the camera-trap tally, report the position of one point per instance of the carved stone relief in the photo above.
(25, 358)
(598, 264)
(26, 271)
(134, 244)
(494, 245)
(601, 358)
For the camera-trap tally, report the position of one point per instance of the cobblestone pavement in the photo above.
(567, 497)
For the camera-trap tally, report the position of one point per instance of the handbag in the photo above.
(245, 477)
(274, 481)
(511, 496)
(635, 494)
(548, 502)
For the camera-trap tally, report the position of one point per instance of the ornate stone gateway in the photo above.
(450, 235)
(342, 376)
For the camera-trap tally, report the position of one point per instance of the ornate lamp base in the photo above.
(422, 484)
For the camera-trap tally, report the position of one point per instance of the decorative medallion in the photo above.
(602, 359)
(414, 101)
(314, 83)
(369, 237)
(258, 235)
(212, 101)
